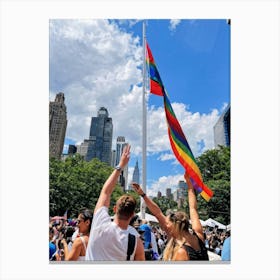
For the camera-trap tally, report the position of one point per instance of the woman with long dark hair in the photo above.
(78, 250)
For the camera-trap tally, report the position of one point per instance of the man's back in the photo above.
(107, 240)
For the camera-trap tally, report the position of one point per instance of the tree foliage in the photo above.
(75, 184)
(215, 168)
(215, 164)
(164, 204)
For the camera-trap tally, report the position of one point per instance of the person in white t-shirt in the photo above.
(108, 240)
(154, 242)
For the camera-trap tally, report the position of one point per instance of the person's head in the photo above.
(144, 222)
(84, 221)
(134, 220)
(59, 225)
(215, 244)
(178, 223)
(51, 233)
(125, 207)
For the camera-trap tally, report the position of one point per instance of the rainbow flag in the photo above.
(156, 85)
(178, 141)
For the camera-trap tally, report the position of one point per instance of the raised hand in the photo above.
(137, 188)
(125, 156)
(188, 181)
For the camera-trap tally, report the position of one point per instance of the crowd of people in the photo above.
(95, 236)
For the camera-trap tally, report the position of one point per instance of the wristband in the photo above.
(143, 194)
(118, 168)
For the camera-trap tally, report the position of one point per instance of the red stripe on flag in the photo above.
(155, 88)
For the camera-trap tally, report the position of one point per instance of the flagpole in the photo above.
(144, 124)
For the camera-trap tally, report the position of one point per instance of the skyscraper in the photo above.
(136, 176)
(113, 158)
(119, 148)
(168, 193)
(83, 148)
(100, 137)
(123, 179)
(176, 195)
(72, 149)
(182, 190)
(222, 129)
(57, 125)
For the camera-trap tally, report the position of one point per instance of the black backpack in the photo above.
(130, 246)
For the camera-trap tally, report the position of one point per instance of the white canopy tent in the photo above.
(212, 223)
(203, 223)
(148, 217)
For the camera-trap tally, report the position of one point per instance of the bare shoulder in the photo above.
(139, 253)
(181, 255)
(77, 242)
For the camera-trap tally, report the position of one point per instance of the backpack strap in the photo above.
(201, 243)
(130, 246)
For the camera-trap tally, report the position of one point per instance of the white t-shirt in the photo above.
(161, 243)
(107, 241)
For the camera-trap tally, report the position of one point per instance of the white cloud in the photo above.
(97, 64)
(224, 106)
(65, 148)
(173, 24)
(129, 22)
(164, 157)
(163, 183)
(196, 127)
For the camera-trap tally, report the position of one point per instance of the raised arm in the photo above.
(75, 252)
(108, 187)
(153, 207)
(196, 225)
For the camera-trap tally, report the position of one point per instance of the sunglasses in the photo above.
(78, 221)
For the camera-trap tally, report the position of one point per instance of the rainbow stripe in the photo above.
(178, 141)
(156, 85)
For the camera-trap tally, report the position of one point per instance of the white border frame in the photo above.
(255, 137)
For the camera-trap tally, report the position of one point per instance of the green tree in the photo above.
(215, 164)
(215, 168)
(75, 184)
(164, 204)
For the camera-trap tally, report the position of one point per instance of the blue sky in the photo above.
(98, 63)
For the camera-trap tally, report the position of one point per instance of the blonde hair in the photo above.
(180, 222)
